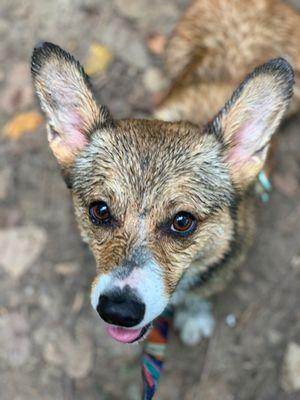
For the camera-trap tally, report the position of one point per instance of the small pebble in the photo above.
(29, 291)
(154, 80)
(291, 368)
(230, 320)
(296, 263)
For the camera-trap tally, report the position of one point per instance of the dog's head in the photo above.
(151, 196)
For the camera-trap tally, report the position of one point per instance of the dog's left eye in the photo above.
(183, 223)
(100, 213)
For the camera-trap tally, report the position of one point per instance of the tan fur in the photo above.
(216, 44)
(155, 195)
(149, 170)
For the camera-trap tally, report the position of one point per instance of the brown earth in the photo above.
(51, 344)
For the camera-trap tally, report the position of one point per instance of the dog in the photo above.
(167, 205)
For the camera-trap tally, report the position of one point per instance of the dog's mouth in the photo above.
(126, 335)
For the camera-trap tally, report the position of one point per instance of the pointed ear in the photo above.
(247, 122)
(67, 100)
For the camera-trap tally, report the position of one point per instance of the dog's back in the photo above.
(216, 44)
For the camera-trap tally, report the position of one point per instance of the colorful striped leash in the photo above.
(154, 353)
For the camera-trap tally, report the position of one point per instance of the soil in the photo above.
(52, 346)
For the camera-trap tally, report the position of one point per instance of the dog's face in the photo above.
(152, 196)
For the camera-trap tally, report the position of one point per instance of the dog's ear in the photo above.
(249, 119)
(67, 101)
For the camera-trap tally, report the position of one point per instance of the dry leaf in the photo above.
(157, 97)
(156, 44)
(98, 59)
(22, 123)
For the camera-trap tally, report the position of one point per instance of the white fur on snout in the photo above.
(146, 282)
(101, 284)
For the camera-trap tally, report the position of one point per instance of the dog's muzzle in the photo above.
(128, 304)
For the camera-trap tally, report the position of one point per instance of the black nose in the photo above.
(121, 308)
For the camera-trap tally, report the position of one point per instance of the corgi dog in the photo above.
(167, 205)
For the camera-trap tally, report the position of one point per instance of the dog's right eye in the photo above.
(100, 214)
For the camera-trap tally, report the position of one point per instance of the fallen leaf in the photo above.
(66, 268)
(98, 59)
(22, 123)
(156, 44)
(157, 97)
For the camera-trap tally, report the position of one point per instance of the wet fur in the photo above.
(148, 170)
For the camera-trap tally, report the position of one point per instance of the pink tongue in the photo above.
(122, 334)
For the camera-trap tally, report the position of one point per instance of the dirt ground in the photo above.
(52, 346)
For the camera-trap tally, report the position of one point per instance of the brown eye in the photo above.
(183, 223)
(100, 214)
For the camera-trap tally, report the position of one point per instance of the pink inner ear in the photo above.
(247, 140)
(68, 115)
(72, 126)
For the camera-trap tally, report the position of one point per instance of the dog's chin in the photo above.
(127, 335)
